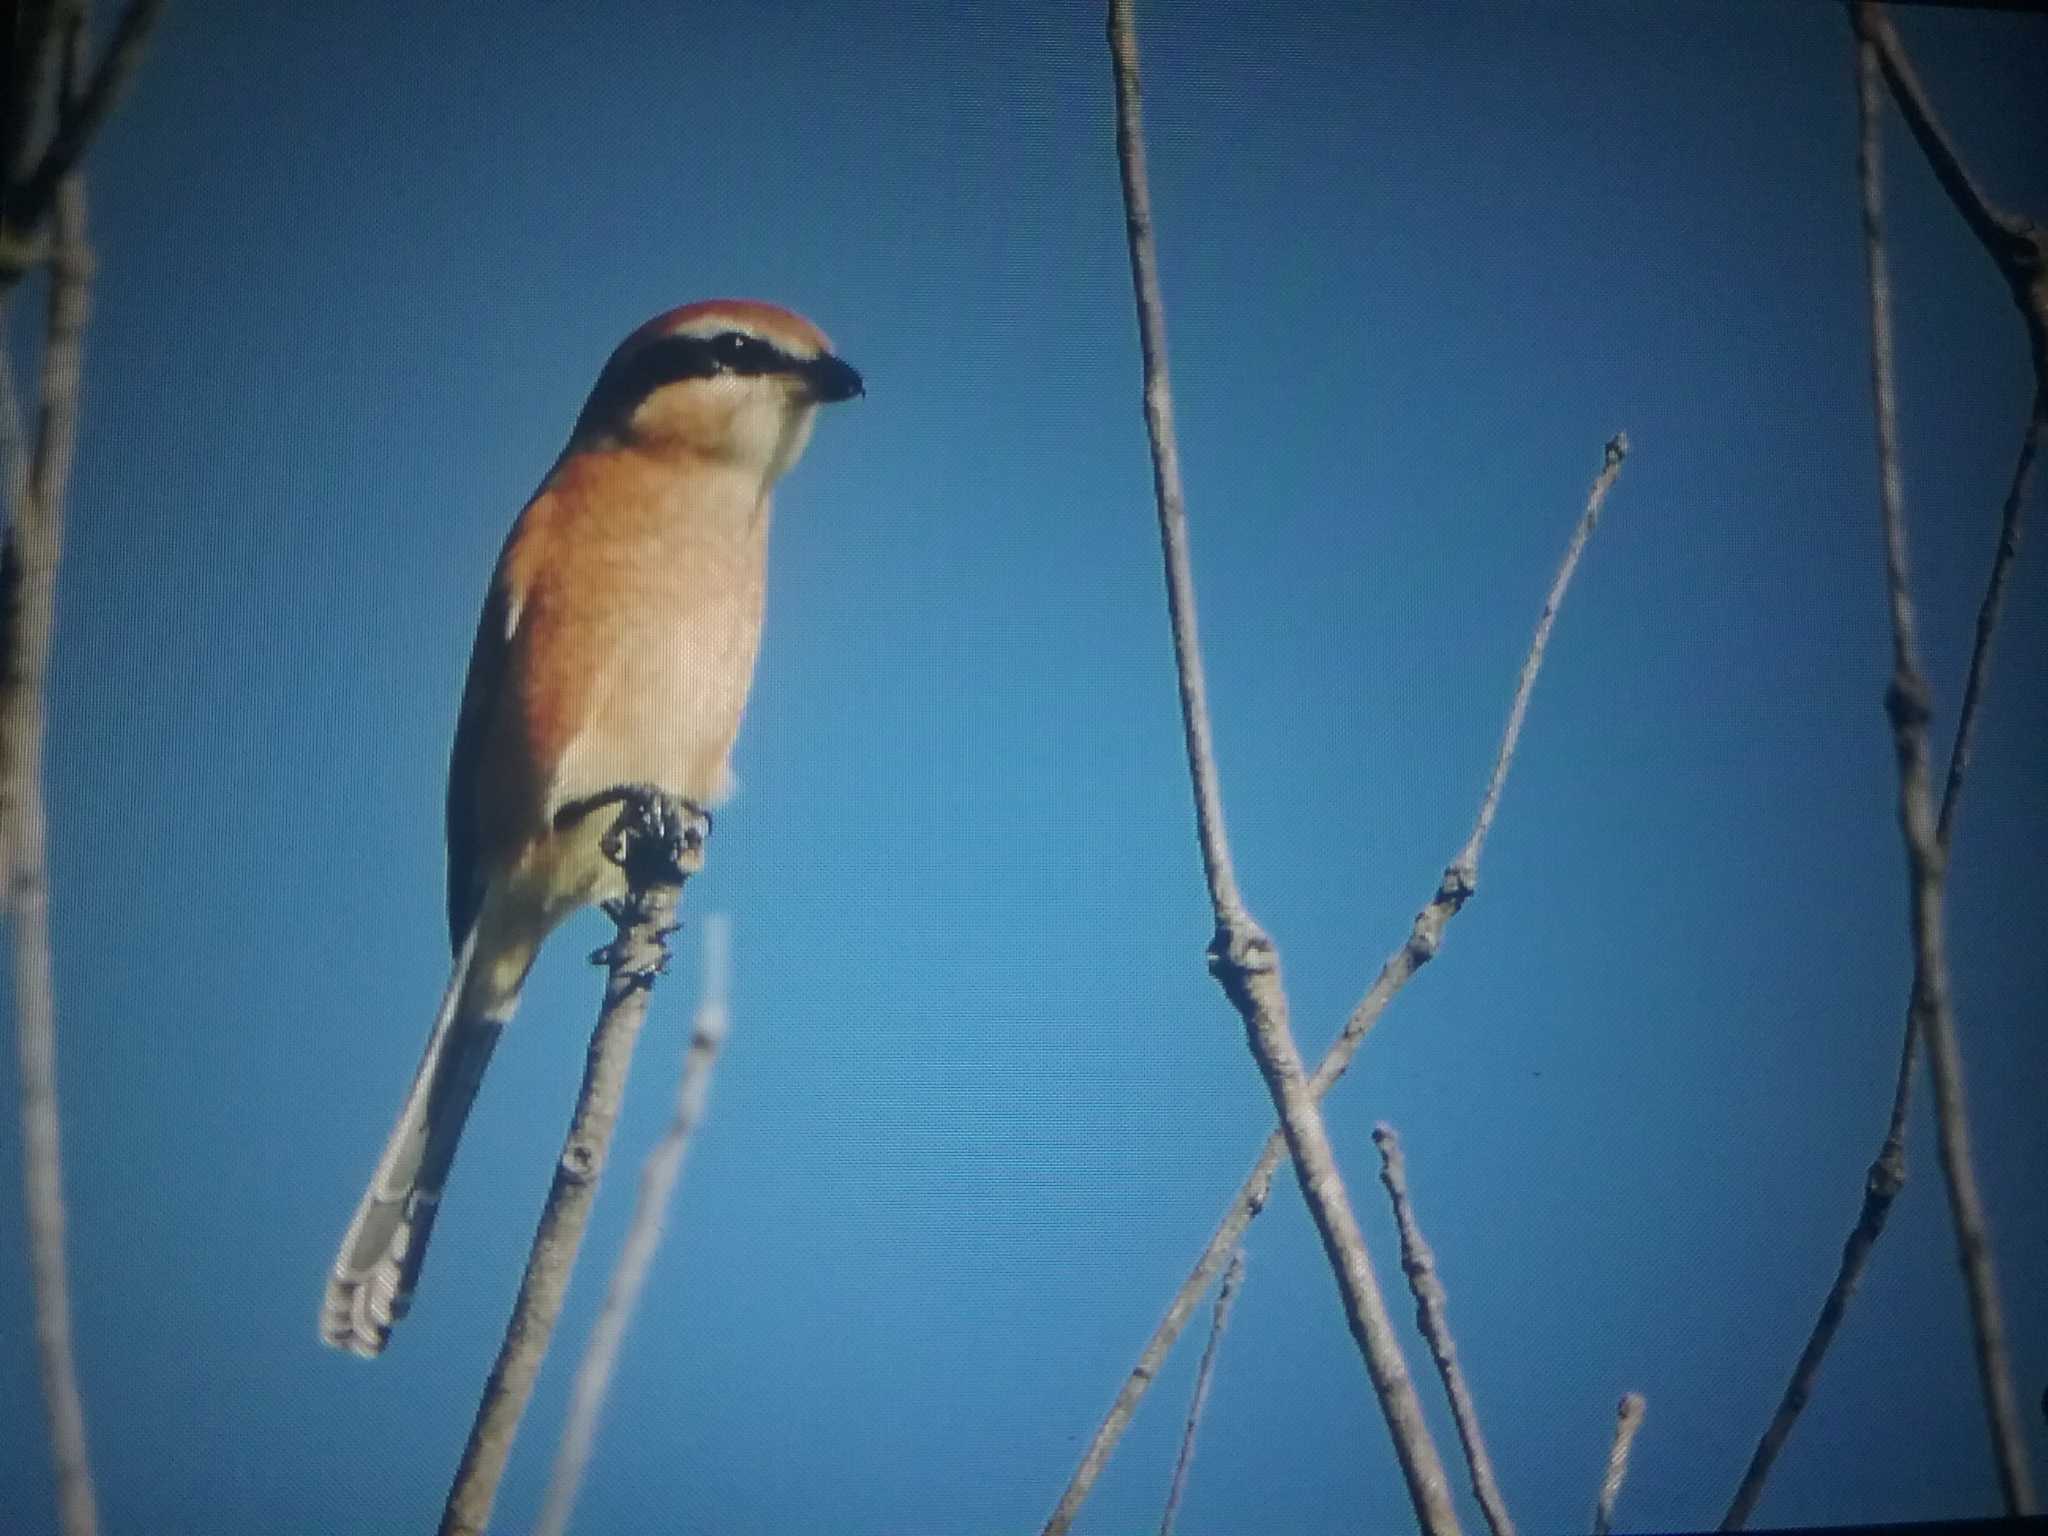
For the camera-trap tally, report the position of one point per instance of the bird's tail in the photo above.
(372, 1281)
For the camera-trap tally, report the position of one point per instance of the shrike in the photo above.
(616, 649)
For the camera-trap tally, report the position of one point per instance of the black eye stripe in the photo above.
(699, 357)
(634, 377)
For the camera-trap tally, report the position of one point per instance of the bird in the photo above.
(613, 657)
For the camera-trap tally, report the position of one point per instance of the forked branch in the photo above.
(1460, 880)
(1241, 956)
(1907, 705)
(32, 173)
(2016, 246)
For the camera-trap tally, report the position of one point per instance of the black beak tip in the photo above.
(833, 379)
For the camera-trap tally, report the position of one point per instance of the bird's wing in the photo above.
(480, 695)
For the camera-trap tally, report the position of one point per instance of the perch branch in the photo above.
(1907, 704)
(658, 1176)
(1627, 1421)
(658, 853)
(1242, 957)
(1460, 880)
(1232, 1279)
(1432, 1317)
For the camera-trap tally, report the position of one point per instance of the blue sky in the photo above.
(982, 1105)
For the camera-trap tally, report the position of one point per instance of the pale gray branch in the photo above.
(1232, 1279)
(2016, 243)
(1525, 683)
(1627, 1420)
(1242, 957)
(658, 1177)
(2016, 246)
(1907, 703)
(1433, 1318)
(1886, 1176)
(37, 480)
(635, 957)
(1460, 880)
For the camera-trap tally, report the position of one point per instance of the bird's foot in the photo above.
(657, 839)
(658, 834)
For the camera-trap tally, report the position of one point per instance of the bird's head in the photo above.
(733, 380)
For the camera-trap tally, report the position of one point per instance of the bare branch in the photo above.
(655, 871)
(2010, 523)
(658, 1177)
(33, 85)
(1628, 1419)
(31, 192)
(1459, 882)
(1907, 704)
(2014, 242)
(1432, 1317)
(1242, 957)
(28, 577)
(2016, 246)
(1525, 684)
(1886, 1176)
(1232, 1278)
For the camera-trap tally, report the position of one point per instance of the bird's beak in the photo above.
(832, 379)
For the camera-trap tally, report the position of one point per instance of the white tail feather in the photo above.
(371, 1284)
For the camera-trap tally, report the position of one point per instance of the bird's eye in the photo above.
(739, 351)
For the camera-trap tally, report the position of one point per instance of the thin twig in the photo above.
(1907, 703)
(1233, 1277)
(658, 1176)
(1886, 1176)
(29, 193)
(1627, 1420)
(1525, 684)
(1432, 1317)
(635, 957)
(28, 577)
(2016, 246)
(33, 83)
(2010, 522)
(1460, 881)
(29, 198)
(1242, 957)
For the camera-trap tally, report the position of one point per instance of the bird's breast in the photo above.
(634, 647)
